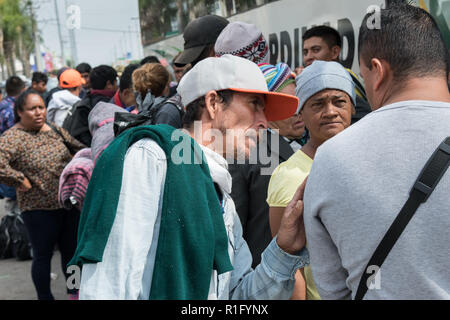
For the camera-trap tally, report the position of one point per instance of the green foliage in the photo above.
(13, 17)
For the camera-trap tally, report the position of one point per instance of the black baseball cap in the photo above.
(197, 35)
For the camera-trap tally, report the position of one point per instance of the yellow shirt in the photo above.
(286, 179)
(283, 184)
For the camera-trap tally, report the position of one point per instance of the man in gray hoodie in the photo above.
(71, 82)
(362, 177)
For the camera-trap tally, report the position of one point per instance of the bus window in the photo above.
(162, 19)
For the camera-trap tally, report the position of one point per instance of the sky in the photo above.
(108, 29)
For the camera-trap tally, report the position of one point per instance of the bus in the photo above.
(282, 23)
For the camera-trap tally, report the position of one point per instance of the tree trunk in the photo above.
(10, 56)
(2, 55)
(180, 16)
(4, 73)
(24, 55)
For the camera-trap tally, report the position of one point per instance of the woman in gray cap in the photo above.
(327, 99)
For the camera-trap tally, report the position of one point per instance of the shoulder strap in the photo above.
(430, 176)
(176, 101)
(64, 139)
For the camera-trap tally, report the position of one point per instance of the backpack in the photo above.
(14, 239)
(124, 121)
(70, 124)
(20, 241)
(5, 236)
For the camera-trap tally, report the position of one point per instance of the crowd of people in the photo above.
(139, 181)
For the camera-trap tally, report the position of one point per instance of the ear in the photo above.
(127, 92)
(212, 105)
(381, 69)
(336, 51)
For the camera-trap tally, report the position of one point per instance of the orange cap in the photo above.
(71, 78)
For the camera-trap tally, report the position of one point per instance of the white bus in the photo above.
(282, 22)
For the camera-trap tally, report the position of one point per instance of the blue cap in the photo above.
(321, 75)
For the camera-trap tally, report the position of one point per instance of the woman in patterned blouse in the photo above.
(32, 158)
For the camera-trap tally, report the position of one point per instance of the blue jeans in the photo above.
(7, 192)
(46, 229)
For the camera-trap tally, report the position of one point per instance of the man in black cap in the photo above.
(200, 37)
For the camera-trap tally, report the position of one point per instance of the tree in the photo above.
(16, 26)
(2, 53)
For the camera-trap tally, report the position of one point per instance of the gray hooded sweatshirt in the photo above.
(60, 105)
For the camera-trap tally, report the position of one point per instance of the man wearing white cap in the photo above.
(158, 232)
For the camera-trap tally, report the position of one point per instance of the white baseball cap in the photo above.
(236, 74)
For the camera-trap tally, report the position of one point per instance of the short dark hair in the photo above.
(14, 86)
(100, 75)
(195, 108)
(126, 81)
(83, 68)
(21, 101)
(328, 34)
(409, 40)
(39, 77)
(149, 59)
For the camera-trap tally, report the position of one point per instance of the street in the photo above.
(15, 277)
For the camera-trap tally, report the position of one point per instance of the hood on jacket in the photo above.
(63, 99)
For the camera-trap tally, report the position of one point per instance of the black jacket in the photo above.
(48, 96)
(249, 193)
(171, 112)
(77, 124)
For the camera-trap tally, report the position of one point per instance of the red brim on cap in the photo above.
(279, 106)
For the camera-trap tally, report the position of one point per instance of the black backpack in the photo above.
(20, 244)
(70, 123)
(146, 116)
(14, 239)
(5, 236)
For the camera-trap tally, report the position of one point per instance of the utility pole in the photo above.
(139, 43)
(60, 35)
(73, 43)
(130, 41)
(37, 43)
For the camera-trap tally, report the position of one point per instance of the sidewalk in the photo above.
(15, 277)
